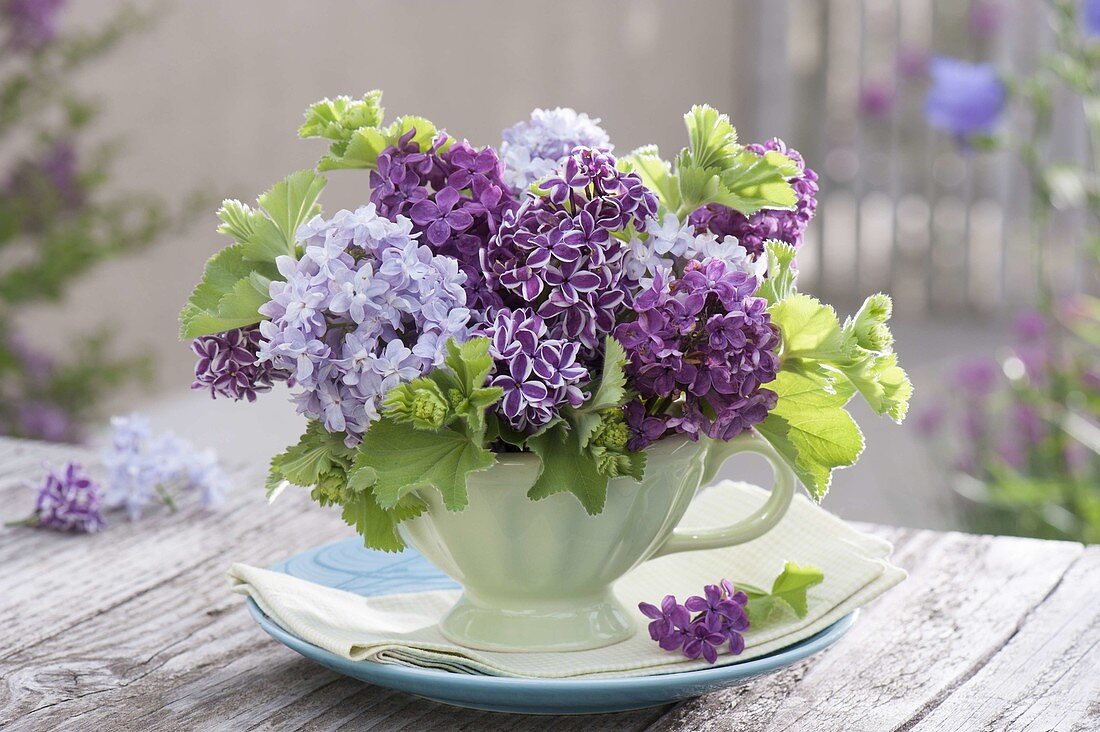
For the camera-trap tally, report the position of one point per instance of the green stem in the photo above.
(30, 521)
(167, 498)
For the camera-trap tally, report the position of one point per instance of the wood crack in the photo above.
(958, 682)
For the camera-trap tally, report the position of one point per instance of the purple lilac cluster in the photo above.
(532, 149)
(228, 365)
(720, 619)
(47, 187)
(558, 253)
(144, 467)
(454, 196)
(706, 337)
(68, 500)
(537, 374)
(752, 231)
(366, 307)
(33, 23)
(26, 407)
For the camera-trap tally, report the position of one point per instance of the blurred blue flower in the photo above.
(1090, 14)
(964, 98)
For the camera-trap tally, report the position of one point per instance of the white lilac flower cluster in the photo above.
(532, 149)
(667, 246)
(144, 467)
(365, 308)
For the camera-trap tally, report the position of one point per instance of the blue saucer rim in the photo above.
(780, 658)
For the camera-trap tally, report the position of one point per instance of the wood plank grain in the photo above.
(965, 598)
(1048, 675)
(69, 578)
(134, 629)
(184, 654)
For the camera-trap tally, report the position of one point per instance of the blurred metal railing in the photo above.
(902, 207)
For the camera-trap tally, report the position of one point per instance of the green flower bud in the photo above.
(612, 431)
(428, 410)
(420, 402)
(869, 324)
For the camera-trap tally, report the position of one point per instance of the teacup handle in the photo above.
(766, 517)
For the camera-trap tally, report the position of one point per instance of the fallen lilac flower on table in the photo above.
(68, 500)
(144, 467)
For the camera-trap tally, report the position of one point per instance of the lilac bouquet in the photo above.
(545, 296)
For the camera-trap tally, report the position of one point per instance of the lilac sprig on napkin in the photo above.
(720, 618)
(702, 625)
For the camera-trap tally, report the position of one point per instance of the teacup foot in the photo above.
(529, 626)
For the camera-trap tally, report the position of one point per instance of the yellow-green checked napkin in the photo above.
(402, 628)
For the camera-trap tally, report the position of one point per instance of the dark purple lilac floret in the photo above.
(702, 625)
(69, 500)
(752, 231)
(455, 197)
(703, 336)
(557, 254)
(228, 366)
(538, 374)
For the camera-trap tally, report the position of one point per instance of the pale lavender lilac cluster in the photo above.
(538, 374)
(365, 307)
(228, 365)
(145, 467)
(454, 196)
(532, 149)
(557, 252)
(703, 336)
(667, 246)
(719, 620)
(753, 230)
(68, 500)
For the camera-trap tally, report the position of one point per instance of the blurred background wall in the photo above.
(212, 95)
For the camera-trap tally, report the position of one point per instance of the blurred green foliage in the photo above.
(60, 217)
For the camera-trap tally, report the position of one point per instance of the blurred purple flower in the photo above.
(984, 18)
(1090, 379)
(144, 467)
(1029, 325)
(876, 98)
(1090, 17)
(1029, 427)
(976, 376)
(965, 98)
(33, 22)
(68, 500)
(41, 420)
(931, 419)
(912, 63)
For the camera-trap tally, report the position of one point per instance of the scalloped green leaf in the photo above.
(407, 459)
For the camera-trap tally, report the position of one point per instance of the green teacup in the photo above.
(537, 575)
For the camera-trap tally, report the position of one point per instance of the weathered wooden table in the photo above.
(134, 629)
